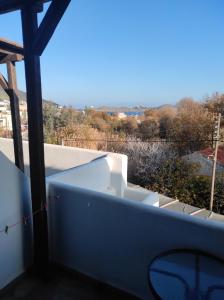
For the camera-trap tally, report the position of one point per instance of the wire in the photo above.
(140, 141)
(23, 220)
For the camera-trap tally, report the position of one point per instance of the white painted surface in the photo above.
(102, 235)
(106, 174)
(95, 175)
(15, 246)
(57, 158)
(143, 195)
(114, 241)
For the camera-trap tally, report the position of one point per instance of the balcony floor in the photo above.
(62, 285)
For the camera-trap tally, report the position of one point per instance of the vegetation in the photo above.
(154, 142)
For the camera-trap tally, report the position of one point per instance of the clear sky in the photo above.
(131, 52)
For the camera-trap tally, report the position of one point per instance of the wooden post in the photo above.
(16, 124)
(36, 146)
(216, 139)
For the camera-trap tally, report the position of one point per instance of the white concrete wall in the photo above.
(106, 174)
(114, 241)
(15, 247)
(16, 244)
(57, 158)
(103, 236)
(143, 195)
(95, 175)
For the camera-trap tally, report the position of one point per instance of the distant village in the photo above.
(6, 119)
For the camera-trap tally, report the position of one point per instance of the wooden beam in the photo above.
(5, 52)
(11, 47)
(4, 83)
(36, 141)
(12, 58)
(49, 24)
(12, 5)
(16, 124)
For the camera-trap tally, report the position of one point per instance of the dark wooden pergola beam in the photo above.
(10, 47)
(4, 84)
(35, 39)
(16, 123)
(48, 25)
(12, 5)
(36, 140)
(2, 51)
(10, 88)
(11, 57)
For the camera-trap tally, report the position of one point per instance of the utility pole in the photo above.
(216, 140)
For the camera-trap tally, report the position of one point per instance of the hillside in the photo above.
(22, 96)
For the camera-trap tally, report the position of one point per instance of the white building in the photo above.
(5, 115)
(4, 105)
(5, 121)
(121, 115)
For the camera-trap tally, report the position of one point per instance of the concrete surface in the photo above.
(62, 285)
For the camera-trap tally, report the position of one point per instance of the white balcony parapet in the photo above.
(108, 175)
(96, 226)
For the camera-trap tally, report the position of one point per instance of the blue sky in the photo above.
(130, 52)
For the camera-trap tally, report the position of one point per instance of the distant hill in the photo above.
(22, 96)
(166, 106)
(121, 108)
(138, 108)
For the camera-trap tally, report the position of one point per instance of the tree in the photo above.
(192, 127)
(215, 103)
(83, 136)
(148, 129)
(166, 116)
(49, 113)
(129, 126)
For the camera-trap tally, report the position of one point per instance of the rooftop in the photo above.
(209, 152)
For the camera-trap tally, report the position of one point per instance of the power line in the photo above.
(139, 141)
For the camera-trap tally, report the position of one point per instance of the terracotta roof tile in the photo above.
(209, 151)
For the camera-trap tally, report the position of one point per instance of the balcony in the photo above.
(102, 228)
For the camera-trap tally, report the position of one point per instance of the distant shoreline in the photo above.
(127, 113)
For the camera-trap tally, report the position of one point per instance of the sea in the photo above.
(128, 113)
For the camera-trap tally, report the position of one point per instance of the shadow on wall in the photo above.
(15, 238)
(48, 170)
(51, 171)
(57, 158)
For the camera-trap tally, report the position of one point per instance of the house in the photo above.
(5, 121)
(121, 115)
(204, 159)
(4, 105)
(23, 110)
